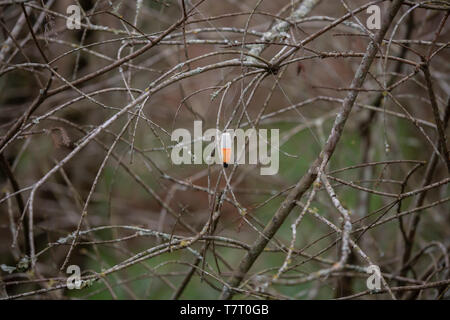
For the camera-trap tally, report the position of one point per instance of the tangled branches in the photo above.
(96, 94)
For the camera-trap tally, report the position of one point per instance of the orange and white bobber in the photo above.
(225, 148)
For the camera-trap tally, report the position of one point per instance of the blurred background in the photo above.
(139, 188)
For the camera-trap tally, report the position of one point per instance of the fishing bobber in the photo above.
(225, 149)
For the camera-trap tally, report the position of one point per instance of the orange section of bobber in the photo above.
(226, 155)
